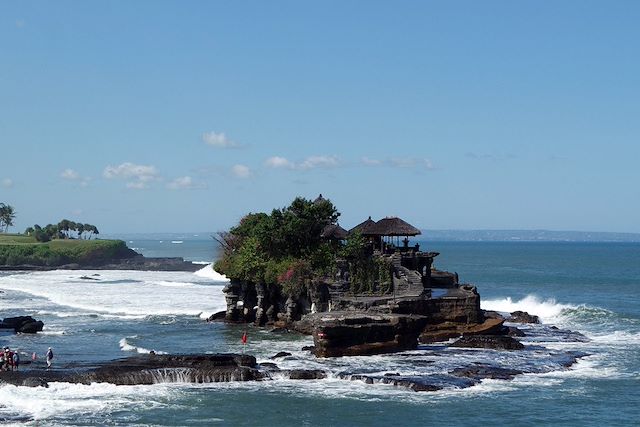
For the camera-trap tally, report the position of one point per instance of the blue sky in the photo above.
(183, 116)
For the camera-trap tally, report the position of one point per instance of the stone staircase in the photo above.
(405, 281)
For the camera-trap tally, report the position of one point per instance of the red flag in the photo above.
(244, 338)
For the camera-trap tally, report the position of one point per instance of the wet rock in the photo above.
(217, 317)
(356, 334)
(307, 374)
(280, 330)
(269, 366)
(523, 317)
(447, 330)
(512, 331)
(482, 372)
(280, 354)
(35, 382)
(496, 342)
(23, 324)
(310, 348)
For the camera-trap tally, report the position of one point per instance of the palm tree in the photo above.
(7, 215)
(80, 229)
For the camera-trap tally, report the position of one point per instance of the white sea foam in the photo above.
(209, 273)
(124, 294)
(67, 400)
(548, 310)
(125, 345)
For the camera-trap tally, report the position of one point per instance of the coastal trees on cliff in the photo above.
(7, 215)
(283, 248)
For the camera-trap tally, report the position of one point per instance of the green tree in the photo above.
(7, 215)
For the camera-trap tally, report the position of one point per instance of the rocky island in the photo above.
(358, 292)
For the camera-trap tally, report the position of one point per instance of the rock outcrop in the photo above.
(523, 317)
(150, 369)
(355, 334)
(22, 324)
(496, 342)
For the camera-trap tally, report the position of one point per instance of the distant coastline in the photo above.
(528, 236)
(440, 235)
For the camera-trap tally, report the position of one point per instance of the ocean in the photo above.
(590, 288)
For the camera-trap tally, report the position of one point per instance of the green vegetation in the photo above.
(285, 249)
(7, 215)
(67, 242)
(18, 250)
(65, 229)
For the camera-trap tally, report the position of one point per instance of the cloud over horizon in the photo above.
(138, 176)
(218, 140)
(400, 162)
(311, 162)
(241, 171)
(184, 183)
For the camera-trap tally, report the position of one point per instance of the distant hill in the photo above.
(528, 236)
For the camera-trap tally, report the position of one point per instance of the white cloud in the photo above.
(218, 140)
(184, 183)
(312, 162)
(137, 185)
(279, 162)
(70, 174)
(370, 162)
(7, 183)
(241, 171)
(139, 176)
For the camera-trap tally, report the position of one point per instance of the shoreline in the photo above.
(138, 263)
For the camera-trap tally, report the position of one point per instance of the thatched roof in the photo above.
(393, 226)
(364, 227)
(334, 231)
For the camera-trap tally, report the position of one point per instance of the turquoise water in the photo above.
(587, 287)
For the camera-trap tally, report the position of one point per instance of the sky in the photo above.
(171, 116)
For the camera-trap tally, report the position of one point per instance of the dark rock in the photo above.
(523, 317)
(279, 331)
(31, 327)
(497, 342)
(512, 331)
(200, 368)
(307, 374)
(35, 382)
(444, 331)
(357, 334)
(391, 374)
(217, 317)
(24, 324)
(482, 372)
(280, 354)
(310, 348)
(269, 366)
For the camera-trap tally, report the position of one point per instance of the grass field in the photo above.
(19, 249)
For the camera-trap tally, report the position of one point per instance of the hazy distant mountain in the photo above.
(528, 236)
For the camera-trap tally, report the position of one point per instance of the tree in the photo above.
(80, 229)
(7, 215)
(283, 248)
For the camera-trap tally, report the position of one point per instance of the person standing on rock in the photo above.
(16, 360)
(49, 358)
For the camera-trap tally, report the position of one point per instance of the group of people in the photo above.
(10, 360)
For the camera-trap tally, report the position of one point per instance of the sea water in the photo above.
(590, 288)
